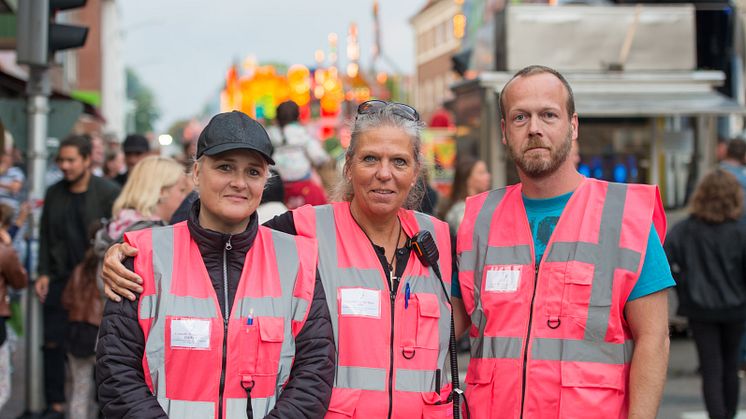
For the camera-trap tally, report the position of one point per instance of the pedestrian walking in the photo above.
(707, 252)
(470, 178)
(390, 308)
(12, 274)
(70, 206)
(563, 278)
(296, 154)
(232, 320)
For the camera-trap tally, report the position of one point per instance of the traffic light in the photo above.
(38, 36)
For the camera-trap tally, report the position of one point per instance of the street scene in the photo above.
(317, 209)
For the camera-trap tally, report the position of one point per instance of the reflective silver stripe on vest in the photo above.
(419, 381)
(499, 347)
(581, 351)
(481, 254)
(361, 378)
(164, 304)
(188, 409)
(155, 345)
(236, 408)
(334, 277)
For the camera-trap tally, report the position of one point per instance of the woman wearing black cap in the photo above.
(232, 320)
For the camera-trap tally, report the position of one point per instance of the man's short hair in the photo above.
(534, 70)
(736, 149)
(81, 142)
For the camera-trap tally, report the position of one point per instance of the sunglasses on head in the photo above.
(398, 109)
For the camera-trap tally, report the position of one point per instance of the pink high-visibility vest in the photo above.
(392, 351)
(553, 343)
(184, 328)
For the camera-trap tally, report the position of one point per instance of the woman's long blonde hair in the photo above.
(145, 183)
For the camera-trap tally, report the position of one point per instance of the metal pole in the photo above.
(38, 90)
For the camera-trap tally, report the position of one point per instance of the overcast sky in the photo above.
(182, 48)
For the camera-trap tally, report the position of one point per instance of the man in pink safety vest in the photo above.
(563, 281)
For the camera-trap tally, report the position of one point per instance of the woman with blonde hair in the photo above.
(707, 253)
(153, 191)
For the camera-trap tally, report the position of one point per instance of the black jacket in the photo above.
(708, 262)
(56, 227)
(122, 391)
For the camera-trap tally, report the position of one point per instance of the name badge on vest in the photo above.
(360, 302)
(504, 278)
(190, 334)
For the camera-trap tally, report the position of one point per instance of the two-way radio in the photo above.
(426, 250)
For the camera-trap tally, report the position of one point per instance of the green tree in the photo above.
(146, 109)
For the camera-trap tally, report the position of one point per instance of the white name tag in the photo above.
(360, 302)
(190, 333)
(504, 279)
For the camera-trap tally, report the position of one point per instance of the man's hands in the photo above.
(119, 281)
(41, 286)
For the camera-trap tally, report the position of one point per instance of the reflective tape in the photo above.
(181, 306)
(419, 381)
(188, 409)
(581, 351)
(362, 378)
(269, 307)
(260, 407)
(496, 347)
(480, 248)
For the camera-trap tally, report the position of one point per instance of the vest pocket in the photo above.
(479, 388)
(577, 292)
(592, 384)
(428, 311)
(343, 403)
(271, 335)
(435, 406)
(260, 345)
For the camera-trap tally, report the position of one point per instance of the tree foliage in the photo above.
(146, 111)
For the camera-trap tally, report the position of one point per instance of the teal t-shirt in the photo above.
(543, 215)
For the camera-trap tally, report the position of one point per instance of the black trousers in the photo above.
(718, 345)
(55, 333)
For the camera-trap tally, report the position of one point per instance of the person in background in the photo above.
(70, 206)
(98, 154)
(12, 274)
(11, 181)
(114, 164)
(471, 178)
(153, 190)
(272, 198)
(707, 252)
(296, 154)
(735, 160)
(135, 147)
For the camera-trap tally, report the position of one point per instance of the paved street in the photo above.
(682, 398)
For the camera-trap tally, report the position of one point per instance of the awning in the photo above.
(633, 94)
(656, 103)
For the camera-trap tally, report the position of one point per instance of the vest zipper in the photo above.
(528, 335)
(227, 247)
(394, 284)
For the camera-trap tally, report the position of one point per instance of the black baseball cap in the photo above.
(234, 131)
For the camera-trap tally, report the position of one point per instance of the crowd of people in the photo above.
(233, 284)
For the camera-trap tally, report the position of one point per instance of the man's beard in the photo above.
(540, 167)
